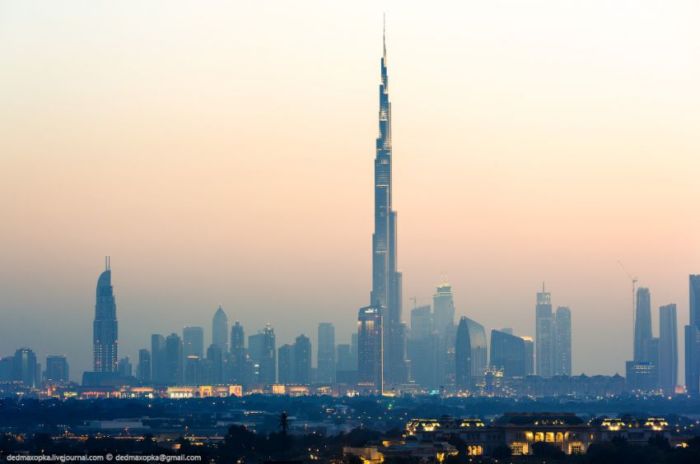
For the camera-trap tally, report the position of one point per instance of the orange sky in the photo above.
(222, 153)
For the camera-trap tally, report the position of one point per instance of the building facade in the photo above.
(105, 329)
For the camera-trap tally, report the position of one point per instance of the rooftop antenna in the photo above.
(384, 34)
(107, 263)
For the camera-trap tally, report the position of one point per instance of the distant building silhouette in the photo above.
(25, 368)
(642, 326)
(193, 341)
(475, 342)
(263, 353)
(105, 330)
(219, 330)
(668, 349)
(463, 356)
(326, 353)
(285, 364)
(215, 364)
(158, 361)
(143, 370)
(426, 350)
(57, 370)
(370, 350)
(173, 360)
(692, 338)
(302, 360)
(444, 327)
(124, 367)
(239, 357)
(508, 353)
(562, 341)
(544, 334)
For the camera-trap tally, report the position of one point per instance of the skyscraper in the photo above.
(57, 369)
(124, 367)
(219, 330)
(668, 349)
(562, 341)
(421, 322)
(544, 334)
(193, 342)
(475, 341)
(529, 356)
(143, 370)
(285, 364)
(104, 329)
(692, 338)
(508, 353)
(386, 280)
(642, 326)
(463, 356)
(443, 325)
(158, 366)
(326, 353)
(25, 367)
(215, 364)
(238, 353)
(173, 360)
(302, 360)
(370, 357)
(264, 353)
(444, 310)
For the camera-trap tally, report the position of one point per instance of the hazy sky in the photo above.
(221, 153)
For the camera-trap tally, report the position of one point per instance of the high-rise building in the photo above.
(195, 370)
(642, 326)
(386, 280)
(124, 367)
(562, 341)
(193, 342)
(346, 364)
(285, 364)
(463, 356)
(57, 369)
(508, 353)
(668, 349)
(544, 334)
(173, 360)
(424, 348)
(158, 364)
(263, 353)
(443, 325)
(421, 322)
(477, 356)
(238, 354)
(444, 310)
(302, 360)
(143, 370)
(215, 364)
(529, 356)
(25, 367)
(692, 338)
(326, 353)
(219, 330)
(104, 328)
(370, 372)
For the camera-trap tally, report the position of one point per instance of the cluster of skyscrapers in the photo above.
(435, 352)
(654, 365)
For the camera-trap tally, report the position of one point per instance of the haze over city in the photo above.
(222, 154)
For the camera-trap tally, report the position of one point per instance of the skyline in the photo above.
(192, 268)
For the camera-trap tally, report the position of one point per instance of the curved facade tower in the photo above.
(104, 329)
(386, 280)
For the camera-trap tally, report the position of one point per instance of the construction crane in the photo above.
(634, 281)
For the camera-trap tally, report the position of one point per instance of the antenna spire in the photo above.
(384, 33)
(107, 263)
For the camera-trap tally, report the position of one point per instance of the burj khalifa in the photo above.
(386, 280)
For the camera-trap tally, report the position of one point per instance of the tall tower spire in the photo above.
(385, 296)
